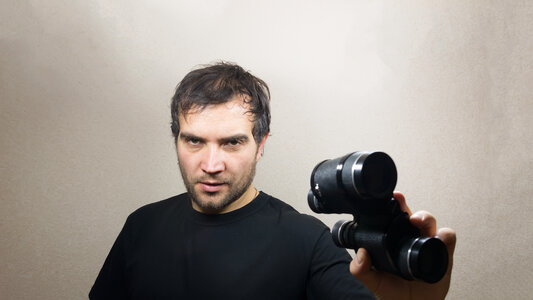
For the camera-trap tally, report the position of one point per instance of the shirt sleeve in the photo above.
(110, 283)
(330, 276)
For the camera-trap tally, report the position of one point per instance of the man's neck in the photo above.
(243, 200)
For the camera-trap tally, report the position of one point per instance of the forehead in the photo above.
(232, 117)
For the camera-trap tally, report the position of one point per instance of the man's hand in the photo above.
(388, 286)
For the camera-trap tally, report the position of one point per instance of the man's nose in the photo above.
(213, 161)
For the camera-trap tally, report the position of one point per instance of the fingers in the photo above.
(425, 222)
(360, 267)
(449, 238)
(401, 201)
(361, 263)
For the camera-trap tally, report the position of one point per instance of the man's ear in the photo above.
(261, 147)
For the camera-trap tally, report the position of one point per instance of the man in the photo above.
(224, 239)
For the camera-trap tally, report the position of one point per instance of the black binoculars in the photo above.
(362, 184)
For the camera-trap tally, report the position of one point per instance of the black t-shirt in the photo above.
(264, 250)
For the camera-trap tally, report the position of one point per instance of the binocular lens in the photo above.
(336, 184)
(425, 258)
(377, 176)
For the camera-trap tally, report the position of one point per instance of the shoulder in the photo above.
(290, 217)
(160, 209)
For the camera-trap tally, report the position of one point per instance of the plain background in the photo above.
(444, 87)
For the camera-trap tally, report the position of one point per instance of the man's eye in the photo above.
(193, 141)
(233, 143)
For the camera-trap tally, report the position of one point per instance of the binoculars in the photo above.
(362, 184)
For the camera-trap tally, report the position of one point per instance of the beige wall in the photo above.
(444, 87)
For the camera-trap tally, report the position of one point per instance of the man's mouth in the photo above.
(211, 186)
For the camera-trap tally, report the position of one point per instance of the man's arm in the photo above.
(387, 286)
(110, 281)
(329, 276)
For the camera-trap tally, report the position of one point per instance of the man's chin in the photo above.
(211, 202)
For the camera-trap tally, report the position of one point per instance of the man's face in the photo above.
(217, 156)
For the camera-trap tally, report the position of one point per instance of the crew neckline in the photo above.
(229, 217)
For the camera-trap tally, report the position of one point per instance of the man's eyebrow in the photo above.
(237, 137)
(188, 136)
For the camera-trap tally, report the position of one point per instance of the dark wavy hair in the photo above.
(219, 83)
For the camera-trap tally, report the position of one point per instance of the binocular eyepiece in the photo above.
(362, 184)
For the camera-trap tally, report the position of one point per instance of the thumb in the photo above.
(360, 267)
